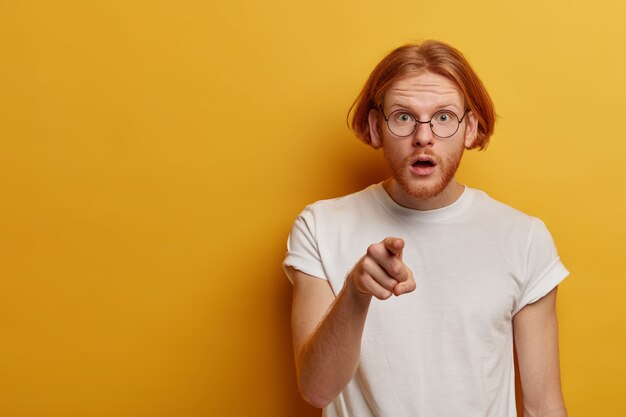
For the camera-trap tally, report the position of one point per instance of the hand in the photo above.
(381, 272)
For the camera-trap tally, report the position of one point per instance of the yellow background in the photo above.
(153, 155)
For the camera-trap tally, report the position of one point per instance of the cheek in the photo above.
(449, 155)
(396, 154)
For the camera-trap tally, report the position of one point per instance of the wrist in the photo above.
(352, 292)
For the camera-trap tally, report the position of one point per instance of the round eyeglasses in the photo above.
(443, 123)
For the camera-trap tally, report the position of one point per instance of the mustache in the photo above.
(427, 153)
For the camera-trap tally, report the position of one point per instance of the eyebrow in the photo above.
(437, 107)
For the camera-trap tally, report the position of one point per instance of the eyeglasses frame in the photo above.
(429, 121)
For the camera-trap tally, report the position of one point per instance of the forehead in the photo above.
(426, 88)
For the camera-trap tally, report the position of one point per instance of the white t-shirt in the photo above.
(445, 349)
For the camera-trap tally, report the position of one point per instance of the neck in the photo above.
(446, 197)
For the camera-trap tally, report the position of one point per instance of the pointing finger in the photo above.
(394, 245)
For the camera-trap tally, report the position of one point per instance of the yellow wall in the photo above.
(153, 155)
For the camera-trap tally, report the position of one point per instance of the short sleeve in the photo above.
(544, 269)
(302, 246)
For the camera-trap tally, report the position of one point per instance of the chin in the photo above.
(423, 191)
(424, 187)
(432, 185)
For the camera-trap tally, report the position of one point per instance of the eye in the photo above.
(444, 117)
(403, 117)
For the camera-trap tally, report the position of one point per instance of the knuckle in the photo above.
(383, 295)
(396, 270)
(372, 250)
(388, 284)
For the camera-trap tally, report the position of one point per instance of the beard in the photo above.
(425, 188)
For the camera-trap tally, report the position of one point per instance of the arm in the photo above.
(327, 334)
(536, 342)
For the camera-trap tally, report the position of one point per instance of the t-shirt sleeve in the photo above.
(302, 249)
(544, 269)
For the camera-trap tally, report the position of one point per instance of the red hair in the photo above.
(413, 59)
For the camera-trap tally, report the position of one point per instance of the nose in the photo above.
(423, 136)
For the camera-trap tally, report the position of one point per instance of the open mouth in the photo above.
(423, 166)
(424, 163)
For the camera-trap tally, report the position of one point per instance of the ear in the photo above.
(373, 119)
(471, 130)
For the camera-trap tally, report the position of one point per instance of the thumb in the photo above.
(405, 286)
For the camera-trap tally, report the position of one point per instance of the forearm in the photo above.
(329, 358)
(537, 343)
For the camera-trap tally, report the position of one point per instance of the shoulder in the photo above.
(487, 206)
(339, 217)
(319, 229)
(510, 223)
(346, 204)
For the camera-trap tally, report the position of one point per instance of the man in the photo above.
(408, 294)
